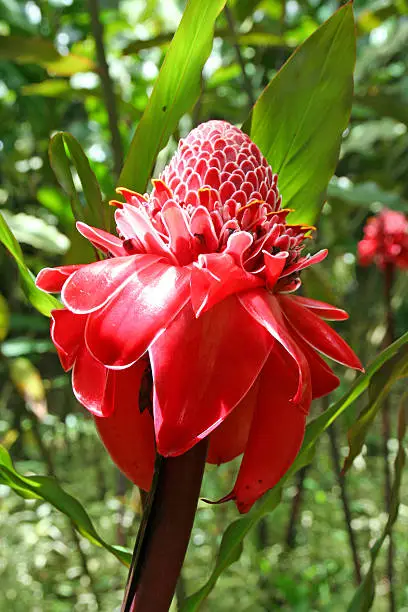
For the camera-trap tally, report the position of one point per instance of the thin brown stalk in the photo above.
(386, 433)
(245, 78)
(107, 86)
(290, 539)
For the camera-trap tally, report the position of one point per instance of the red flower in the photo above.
(197, 288)
(385, 240)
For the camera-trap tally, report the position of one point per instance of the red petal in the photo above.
(265, 309)
(89, 382)
(305, 262)
(319, 334)
(101, 240)
(276, 434)
(230, 438)
(182, 243)
(323, 310)
(118, 334)
(67, 333)
(52, 279)
(324, 381)
(274, 265)
(202, 368)
(93, 285)
(128, 434)
(216, 277)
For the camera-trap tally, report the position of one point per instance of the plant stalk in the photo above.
(107, 87)
(245, 78)
(386, 431)
(165, 531)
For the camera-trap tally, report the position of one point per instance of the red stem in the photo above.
(165, 531)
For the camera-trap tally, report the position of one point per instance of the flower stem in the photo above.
(386, 431)
(165, 531)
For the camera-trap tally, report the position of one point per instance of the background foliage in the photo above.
(53, 77)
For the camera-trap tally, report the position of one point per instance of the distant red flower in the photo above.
(196, 293)
(385, 240)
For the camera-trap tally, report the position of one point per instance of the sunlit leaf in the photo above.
(231, 542)
(298, 120)
(176, 89)
(36, 232)
(40, 51)
(28, 382)
(48, 489)
(364, 596)
(43, 302)
(65, 154)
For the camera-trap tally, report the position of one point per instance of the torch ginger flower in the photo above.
(385, 240)
(197, 291)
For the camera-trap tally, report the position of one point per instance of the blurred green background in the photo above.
(299, 558)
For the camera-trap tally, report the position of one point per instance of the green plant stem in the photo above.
(107, 87)
(245, 78)
(165, 531)
(386, 433)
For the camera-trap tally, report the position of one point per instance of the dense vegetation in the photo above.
(53, 77)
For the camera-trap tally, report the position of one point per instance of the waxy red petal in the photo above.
(101, 240)
(52, 279)
(127, 433)
(276, 434)
(274, 265)
(216, 277)
(323, 310)
(305, 262)
(318, 333)
(90, 381)
(323, 379)
(93, 285)
(119, 334)
(265, 309)
(230, 438)
(202, 371)
(67, 333)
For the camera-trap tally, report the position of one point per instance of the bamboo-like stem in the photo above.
(165, 531)
(386, 432)
(245, 78)
(107, 87)
(345, 502)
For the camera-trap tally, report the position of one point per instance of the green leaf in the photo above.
(364, 596)
(379, 388)
(4, 318)
(176, 89)
(41, 51)
(298, 120)
(364, 194)
(65, 152)
(233, 537)
(48, 489)
(36, 232)
(43, 302)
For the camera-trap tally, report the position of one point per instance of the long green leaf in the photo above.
(364, 596)
(231, 543)
(43, 302)
(48, 489)
(379, 388)
(298, 120)
(90, 211)
(176, 89)
(41, 51)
